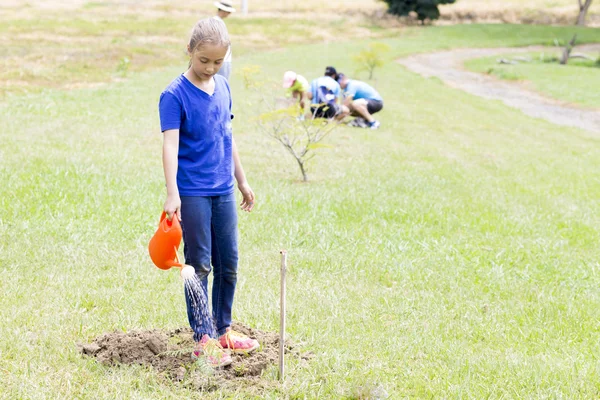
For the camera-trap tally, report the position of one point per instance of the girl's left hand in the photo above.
(247, 203)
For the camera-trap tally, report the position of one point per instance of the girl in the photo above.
(200, 161)
(297, 86)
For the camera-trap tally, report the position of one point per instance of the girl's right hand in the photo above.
(173, 206)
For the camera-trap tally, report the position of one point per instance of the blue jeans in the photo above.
(209, 227)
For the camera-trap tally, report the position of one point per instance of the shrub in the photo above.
(425, 9)
(371, 57)
(299, 136)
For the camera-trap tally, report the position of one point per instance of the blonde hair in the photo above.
(209, 31)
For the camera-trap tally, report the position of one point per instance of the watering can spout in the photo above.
(165, 242)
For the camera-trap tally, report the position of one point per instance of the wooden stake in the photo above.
(282, 315)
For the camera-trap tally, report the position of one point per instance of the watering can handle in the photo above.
(170, 223)
(164, 215)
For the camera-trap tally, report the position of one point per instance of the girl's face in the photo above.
(207, 60)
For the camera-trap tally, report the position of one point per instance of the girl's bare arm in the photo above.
(170, 152)
(247, 203)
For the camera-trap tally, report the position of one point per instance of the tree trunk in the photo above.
(303, 170)
(583, 9)
(567, 50)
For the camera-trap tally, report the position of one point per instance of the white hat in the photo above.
(289, 78)
(225, 6)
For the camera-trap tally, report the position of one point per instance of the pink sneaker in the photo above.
(216, 356)
(238, 342)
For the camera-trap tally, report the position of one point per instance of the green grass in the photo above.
(570, 83)
(451, 254)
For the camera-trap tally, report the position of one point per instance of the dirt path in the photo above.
(448, 66)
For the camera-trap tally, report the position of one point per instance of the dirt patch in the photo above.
(448, 66)
(169, 352)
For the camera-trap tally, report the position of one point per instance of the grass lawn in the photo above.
(570, 83)
(451, 254)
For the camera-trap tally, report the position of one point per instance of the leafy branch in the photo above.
(300, 137)
(371, 57)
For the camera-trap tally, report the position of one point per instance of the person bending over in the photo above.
(331, 71)
(297, 86)
(325, 93)
(362, 99)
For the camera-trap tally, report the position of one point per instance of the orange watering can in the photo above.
(165, 242)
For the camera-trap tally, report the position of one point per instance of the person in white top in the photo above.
(224, 8)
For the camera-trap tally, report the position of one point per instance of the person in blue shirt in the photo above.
(331, 71)
(325, 94)
(200, 162)
(224, 9)
(362, 99)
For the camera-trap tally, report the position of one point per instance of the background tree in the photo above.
(283, 120)
(567, 50)
(300, 137)
(371, 57)
(425, 9)
(584, 6)
(249, 73)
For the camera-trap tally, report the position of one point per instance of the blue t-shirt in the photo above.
(324, 89)
(205, 159)
(361, 90)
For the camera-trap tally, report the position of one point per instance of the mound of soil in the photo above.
(169, 353)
